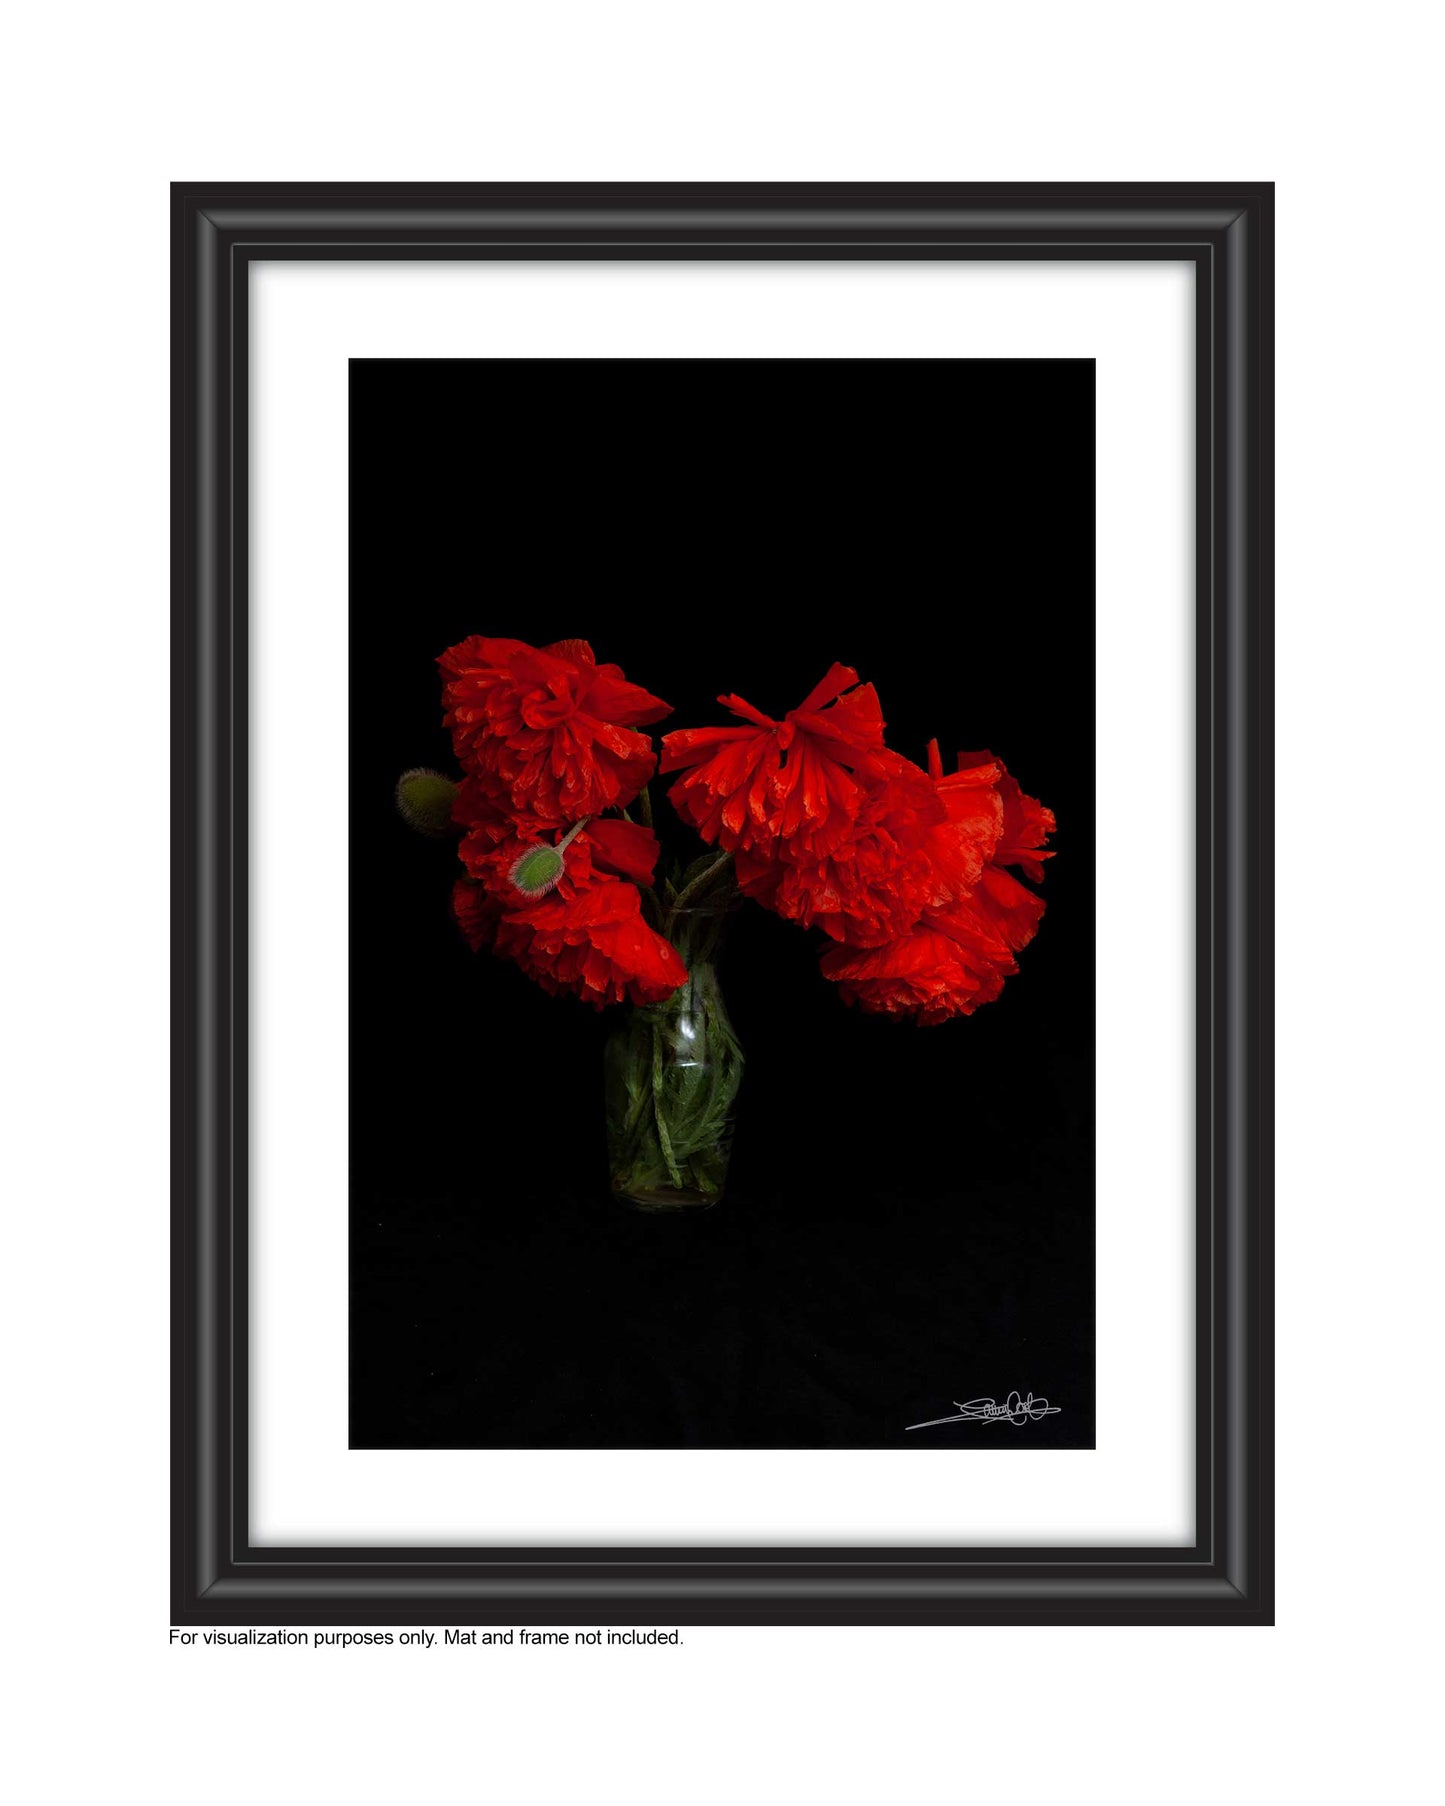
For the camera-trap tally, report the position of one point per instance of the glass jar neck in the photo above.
(698, 935)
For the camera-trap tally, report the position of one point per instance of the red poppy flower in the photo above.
(486, 822)
(1027, 824)
(961, 845)
(989, 820)
(874, 884)
(796, 779)
(926, 975)
(979, 915)
(950, 963)
(547, 733)
(585, 934)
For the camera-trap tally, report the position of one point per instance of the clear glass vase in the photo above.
(672, 1073)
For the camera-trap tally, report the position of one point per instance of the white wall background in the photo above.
(103, 106)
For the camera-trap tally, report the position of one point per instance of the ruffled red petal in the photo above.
(477, 913)
(487, 819)
(797, 779)
(547, 732)
(872, 885)
(960, 947)
(924, 976)
(626, 848)
(587, 936)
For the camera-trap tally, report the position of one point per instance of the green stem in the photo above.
(664, 1140)
(698, 885)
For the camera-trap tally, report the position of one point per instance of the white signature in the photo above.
(1014, 1409)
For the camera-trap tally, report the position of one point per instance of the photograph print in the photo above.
(721, 789)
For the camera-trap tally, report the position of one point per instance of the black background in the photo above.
(909, 1219)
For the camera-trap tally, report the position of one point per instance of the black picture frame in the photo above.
(1226, 1576)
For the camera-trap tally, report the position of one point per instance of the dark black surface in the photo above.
(910, 1216)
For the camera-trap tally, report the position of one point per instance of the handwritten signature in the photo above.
(1014, 1409)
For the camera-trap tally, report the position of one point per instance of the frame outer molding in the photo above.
(1227, 1577)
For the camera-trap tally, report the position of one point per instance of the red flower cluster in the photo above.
(546, 739)
(903, 868)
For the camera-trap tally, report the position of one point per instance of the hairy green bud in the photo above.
(536, 871)
(424, 799)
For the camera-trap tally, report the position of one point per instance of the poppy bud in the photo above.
(537, 869)
(424, 799)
